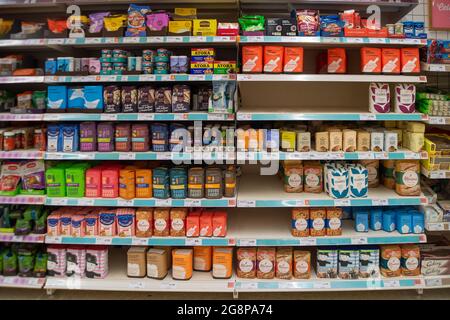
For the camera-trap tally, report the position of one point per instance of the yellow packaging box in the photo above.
(204, 27)
(182, 28)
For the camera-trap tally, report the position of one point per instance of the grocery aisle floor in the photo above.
(436, 294)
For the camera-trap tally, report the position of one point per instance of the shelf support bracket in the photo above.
(420, 291)
(235, 294)
(50, 292)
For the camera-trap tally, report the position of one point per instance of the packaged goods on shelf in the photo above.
(436, 51)
(23, 138)
(433, 102)
(438, 148)
(24, 177)
(77, 261)
(25, 260)
(316, 222)
(435, 257)
(252, 25)
(112, 181)
(23, 220)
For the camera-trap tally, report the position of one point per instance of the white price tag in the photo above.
(342, 202)
(193, 203)
(332, 39)
(92, 40)
(299, 203)
(17, 239)
(163, 202)
(139, 242)
(354, 40)
(165, 155)
(365, 155)
(175, 39)
(197, 77)
(437, 120)
(56, 239)
(155, 39)
(286, 285)
(125, 203)
(308, 241)
(52, 117)
(147, 77)
(55, 156)
(180, 116)
(103, 240)
(136, 285)
(193, 242)
(412, 155)
(247, 203)
(294, 156)
(146, 116)
(249, 285)
(86, 202)
(8, 280)
(437, 282)
(168, 286)
(247, 242)
(437, 67)
(108, 117)
(111, 40)
(215, 116)
(244, 116)
(131, 40)
(380, 202)
(377, 40)
(322, 285)
(336, 155)
(381, 155)
(438, 226)
(56, 41)
(437, 174)
(367, 117)
(127, 156)
(359, 240)
(391, 283)
(58, 201)
(255, 39)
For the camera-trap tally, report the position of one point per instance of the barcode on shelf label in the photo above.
(342, 202)
(103, 240)
(433, 282)
(193, 242)
(139, 242)
(247, 242)
(391, 283)
(109, 117)
(86, 202)
(127, 156)
(136, 285)
(381, 155)
(322, 285)
(437, 67)
(247, 203)
(367, 117)
(163, 202)
(168, 286)
(359, 240)
(380, 202)
(308, 241)
(215, 117)
(146, 116)
(249, 285)
(53, 239)
(193, 203)
(125, 203)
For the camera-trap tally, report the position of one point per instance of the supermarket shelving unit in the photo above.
(247, 227)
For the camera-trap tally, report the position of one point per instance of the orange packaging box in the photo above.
(252, 59)
(370, 60)
(382, 33)
(193, 224)
(410, 60)
(206, 224)
(273, 59)
(337, 60)
(144, 183)
(127, 183)
(390, 60)
(293, 60)
(362, 32)
(219, 224)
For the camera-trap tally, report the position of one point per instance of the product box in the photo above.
(337, 60)
(180, 28)
(390, 60)
(76, 98)
(224, 67)
(273, 59)
(157, 263)
(252, 59)
(410, 60)
(274, 27)
(93, 97)
(56, 98)
(204, 27)
(182, 264)
(229, 29)
(348, 267)
(136, 266)
(184, 14)
(370, 60)
(289, 28)
(293, 60)
(369, 262)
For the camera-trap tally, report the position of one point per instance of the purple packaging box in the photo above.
(105, 137)
(157, 21)
(88, 136)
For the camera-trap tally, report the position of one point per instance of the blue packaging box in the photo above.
(57, 97)
(361, 221)
(70, 135)
(404, 223)
(54, 138)
(93, 98)
(376, 219)
(388, 221)
(418, 222)
(76, 98)
(50, 66)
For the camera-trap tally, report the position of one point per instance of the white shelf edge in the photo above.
(331, 78)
